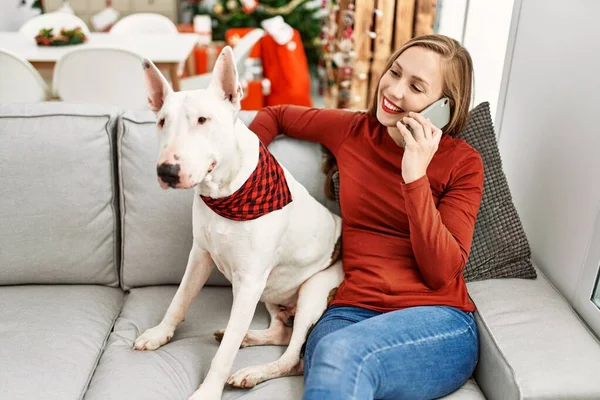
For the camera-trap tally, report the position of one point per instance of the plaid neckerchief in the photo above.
(265, 190)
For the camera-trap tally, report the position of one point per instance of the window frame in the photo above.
(589, 281)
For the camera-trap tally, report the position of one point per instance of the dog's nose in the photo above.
(169, 173)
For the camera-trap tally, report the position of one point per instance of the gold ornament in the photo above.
(218, 9)
(232, 5)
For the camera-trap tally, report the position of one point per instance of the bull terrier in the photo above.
(262, 229)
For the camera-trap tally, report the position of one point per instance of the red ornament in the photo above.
(347, 33)
(249, 6)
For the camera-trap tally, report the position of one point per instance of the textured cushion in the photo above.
(51, 338)
(176, 370)
(58, 206)
(500, 248)
(157, 223)
(532, 344)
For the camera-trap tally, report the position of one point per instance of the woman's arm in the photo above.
(441, 238)
(328, 127)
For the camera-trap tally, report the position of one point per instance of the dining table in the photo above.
(166, 51)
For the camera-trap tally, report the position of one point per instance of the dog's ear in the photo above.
(225, 78)
(157, 87)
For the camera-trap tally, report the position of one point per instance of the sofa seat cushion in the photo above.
(176, 370)
(51, 338)
(532, 344)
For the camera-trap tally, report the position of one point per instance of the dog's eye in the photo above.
(161, 122)
(202, 120)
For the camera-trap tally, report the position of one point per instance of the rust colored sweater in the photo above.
(403, 245)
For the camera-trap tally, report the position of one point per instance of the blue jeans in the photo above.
(413, 353)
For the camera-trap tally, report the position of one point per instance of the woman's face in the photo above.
(413, 82)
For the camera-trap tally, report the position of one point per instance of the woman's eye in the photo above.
(416, 89)
(394, 73)
(161, 122)
(202, 120)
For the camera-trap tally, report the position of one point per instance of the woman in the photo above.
(401, 324)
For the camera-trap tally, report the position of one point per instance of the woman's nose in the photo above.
(398, 92)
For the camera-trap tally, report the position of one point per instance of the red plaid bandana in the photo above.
(265, 190)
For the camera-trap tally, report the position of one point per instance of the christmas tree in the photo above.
(303, 15)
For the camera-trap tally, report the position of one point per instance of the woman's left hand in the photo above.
(418, 150)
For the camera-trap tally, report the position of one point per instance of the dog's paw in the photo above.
(153, 338)
(248, 377)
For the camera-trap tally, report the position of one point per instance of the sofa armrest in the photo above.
(532, 343)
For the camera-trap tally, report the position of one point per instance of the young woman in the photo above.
(401, 324)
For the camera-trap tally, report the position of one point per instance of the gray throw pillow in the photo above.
(500, 248)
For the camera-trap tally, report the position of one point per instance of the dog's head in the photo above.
(195, 128)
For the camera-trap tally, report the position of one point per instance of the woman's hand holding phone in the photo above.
(419, 147)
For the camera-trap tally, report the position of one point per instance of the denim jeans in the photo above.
(414, 353)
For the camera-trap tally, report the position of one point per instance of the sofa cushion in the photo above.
(500, 248)
(51, 338)
(175, 370)
(532, 344)
(58, 206)
(157, 223)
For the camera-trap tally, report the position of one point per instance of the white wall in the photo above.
(486, 35)
(451, 16)
(482, 26)
(549, 135)
(12, 15)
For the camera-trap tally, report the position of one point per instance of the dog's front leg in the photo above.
(198, 269)
(246, 294)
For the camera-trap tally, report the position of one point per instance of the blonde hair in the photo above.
(457, 71)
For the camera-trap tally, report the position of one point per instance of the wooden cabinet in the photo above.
(84, 9)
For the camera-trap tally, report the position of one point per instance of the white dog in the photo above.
(285, 256)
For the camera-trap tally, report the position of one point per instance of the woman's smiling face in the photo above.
(414, 81)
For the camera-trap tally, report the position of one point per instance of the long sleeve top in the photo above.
(403, 244)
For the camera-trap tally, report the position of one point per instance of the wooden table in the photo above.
(165, 51)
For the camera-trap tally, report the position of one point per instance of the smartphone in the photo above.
(438, 113)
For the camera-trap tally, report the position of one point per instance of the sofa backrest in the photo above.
(157, 223)
(58, 208)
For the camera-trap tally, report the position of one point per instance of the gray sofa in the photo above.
(92, 250)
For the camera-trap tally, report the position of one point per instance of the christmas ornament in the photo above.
(218, 9)
(248, 6)
(232, 5)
